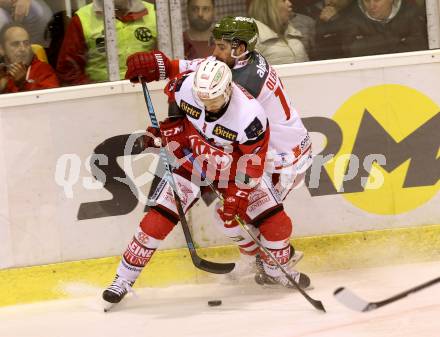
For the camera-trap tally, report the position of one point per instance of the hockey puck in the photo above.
(214, 303)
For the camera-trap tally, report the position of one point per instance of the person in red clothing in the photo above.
(201, 14)
(21, 70)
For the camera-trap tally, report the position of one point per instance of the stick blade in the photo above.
(351, 300)
(213, 267)
(318, 305)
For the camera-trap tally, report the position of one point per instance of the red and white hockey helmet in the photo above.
(212, 80)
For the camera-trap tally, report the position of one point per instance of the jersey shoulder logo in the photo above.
(190, 110)
(225, 133)
(262, 66)
(253, 75)
(255, 129)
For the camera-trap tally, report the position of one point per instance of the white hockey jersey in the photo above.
(289, 139)
(227, 143)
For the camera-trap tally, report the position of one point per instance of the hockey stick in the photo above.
(317, 304)
(354, 302)
(209, 266)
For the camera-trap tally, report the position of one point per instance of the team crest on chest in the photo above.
(215, 157)
(190, 110)
(225, 133)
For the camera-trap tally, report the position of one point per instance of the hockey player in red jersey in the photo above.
(289, 154)
(227, 131)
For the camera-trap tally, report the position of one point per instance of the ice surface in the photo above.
(247, 310)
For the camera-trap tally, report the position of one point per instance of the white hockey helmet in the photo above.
(213, 79)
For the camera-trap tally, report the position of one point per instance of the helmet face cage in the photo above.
(237, 29)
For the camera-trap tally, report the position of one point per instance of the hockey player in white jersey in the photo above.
(235, 39)
(227, 131)
(289, 154)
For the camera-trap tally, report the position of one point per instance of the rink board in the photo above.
(170, 267)
(53, 211)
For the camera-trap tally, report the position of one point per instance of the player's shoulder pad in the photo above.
(249, 113)
(253, 75)
(175, 84)
(246, 93)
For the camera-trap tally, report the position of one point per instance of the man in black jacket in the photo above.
(384, 27)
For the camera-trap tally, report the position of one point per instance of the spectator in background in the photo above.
(306, 25)
(34, 15)
(311, 8)
(201, 15)
(83, 59)
(21, 70)
(385, 26)
(279, 41)
(331, 27)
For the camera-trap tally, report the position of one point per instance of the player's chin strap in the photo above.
(235, 45)
(237, 57)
